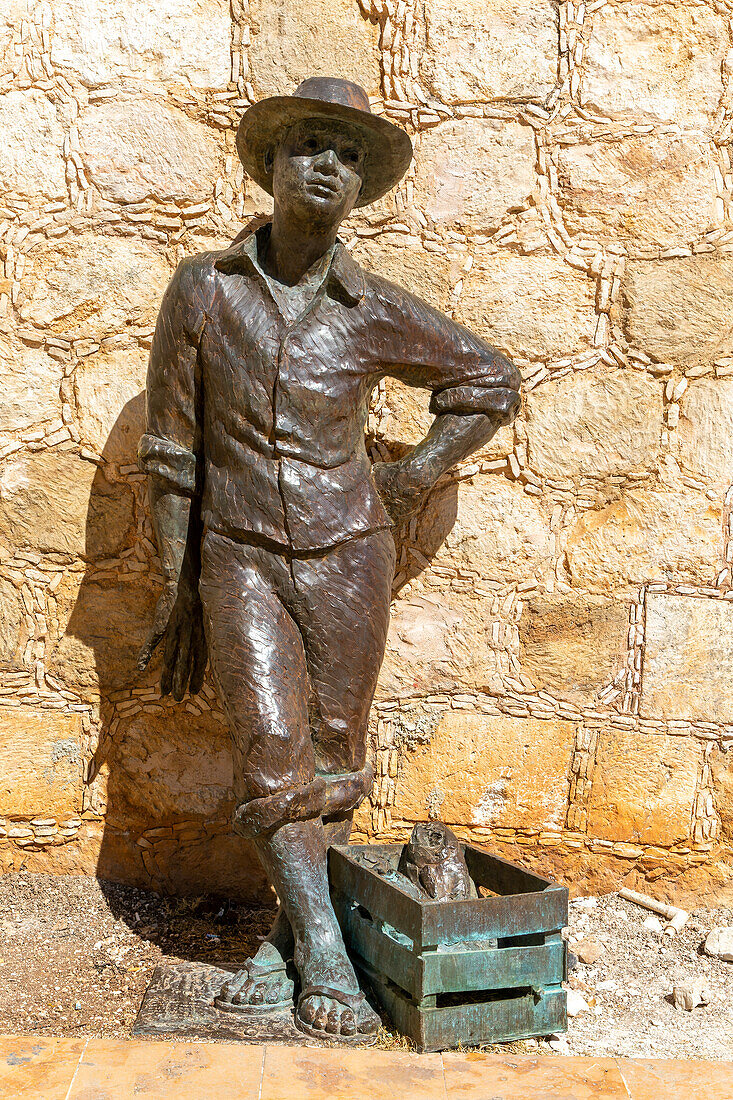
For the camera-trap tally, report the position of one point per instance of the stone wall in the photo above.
(558, 682)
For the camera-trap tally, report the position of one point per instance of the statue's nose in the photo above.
(328, 161)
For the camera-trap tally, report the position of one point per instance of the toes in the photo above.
(333, 1021)
(242, 996)
(257, 996)
(321, 1017)
(348, 1022)
(368, 1020)
(233, 988)
(332, 1018)
(280, 991)
(308, 1009)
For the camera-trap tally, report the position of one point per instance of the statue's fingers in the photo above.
(183, 664)
(170, 656)
(148, 648)
(199, 659)
(173, 631)
(166, 679)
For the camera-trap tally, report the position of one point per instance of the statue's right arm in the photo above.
(169, 453)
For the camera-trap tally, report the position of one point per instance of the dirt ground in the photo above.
(76, 955)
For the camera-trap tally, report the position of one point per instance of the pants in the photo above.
(295, 645)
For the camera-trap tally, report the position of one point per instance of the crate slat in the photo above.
(494, 918)
(493, 1021)
(500, 968)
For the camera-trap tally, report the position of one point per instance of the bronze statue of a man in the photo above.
(272, 525)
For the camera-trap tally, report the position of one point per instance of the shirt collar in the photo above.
(344, 281)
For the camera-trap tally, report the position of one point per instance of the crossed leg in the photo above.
(278, 636)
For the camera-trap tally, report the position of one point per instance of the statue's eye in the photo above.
(351, 156)
(310, 145)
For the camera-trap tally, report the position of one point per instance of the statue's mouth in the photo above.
(324, 184)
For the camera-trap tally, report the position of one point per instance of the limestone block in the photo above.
(658, 61)
(110, 395)
(536, 307)
(647, 535)
(572, 646)
(439, 642)
(481, 770)
(721, 766)
(101, 42)
(489, 526)
(29, 383)
(40, 762)
(407, 416)
(31, 161)
(94, 286)
(471, 171)
(703, 442)
(335, 40)
(13, 633)
(643, 787)
(105, 627)
(596, 423)
(160, 769)
(56, 502)
(477, 51)
(13, 13)
(187, 865)
(679, 311)
(657, 189)
(688, 658)
(143, 148)
(429, 275)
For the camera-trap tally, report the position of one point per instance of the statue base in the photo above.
(179, 1001)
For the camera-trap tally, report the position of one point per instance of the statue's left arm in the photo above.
(475, 390)
(170, 453)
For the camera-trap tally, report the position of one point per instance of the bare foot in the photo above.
(263, 981)
(331, 1004)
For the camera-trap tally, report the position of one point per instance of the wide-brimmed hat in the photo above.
(388, 149)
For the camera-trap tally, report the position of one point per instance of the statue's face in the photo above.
(318, 170)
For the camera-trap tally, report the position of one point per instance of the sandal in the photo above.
(354, 1001)
(255, 971)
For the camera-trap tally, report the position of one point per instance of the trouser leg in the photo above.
(342, 608)
(259, 666)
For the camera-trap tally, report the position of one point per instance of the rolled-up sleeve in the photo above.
(170, 449)
(422, 347)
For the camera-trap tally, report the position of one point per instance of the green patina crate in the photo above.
(479, 970)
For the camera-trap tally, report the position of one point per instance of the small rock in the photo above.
(585, 903)
(719, 944)
(588, 951)
(77, 1006)
(576, 1003)
(688, 995)
(609, 986)
(653, 924)
(559, 1044)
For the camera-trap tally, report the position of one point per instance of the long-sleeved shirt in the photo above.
(264, 417)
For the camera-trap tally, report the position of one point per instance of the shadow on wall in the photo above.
(161, 775)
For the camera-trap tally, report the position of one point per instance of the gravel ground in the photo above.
(628, 987)
(76, 955)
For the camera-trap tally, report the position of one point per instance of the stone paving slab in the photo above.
(46, 1068)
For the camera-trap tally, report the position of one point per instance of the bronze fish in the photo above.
(433, 861)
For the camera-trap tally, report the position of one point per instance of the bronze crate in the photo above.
(478, 970)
